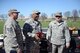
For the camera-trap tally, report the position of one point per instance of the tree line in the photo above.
(74, 14)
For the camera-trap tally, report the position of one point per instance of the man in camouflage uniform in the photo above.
(30, 28)
(13, 41)
(58, 33)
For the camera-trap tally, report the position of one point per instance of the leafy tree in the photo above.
(75, 15)
(67, 14)
(21, 16)
(44, 16)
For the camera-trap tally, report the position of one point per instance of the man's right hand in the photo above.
(19, 50)
(67, 45)
(36, 37)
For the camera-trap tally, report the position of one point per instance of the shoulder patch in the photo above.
(9, 30)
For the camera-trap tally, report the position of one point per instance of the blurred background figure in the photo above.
(1, 44)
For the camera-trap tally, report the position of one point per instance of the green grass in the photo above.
(74, 24)
(1, 26)
(44, 24)
(21, 22)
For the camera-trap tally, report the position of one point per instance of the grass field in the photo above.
(1, 26)
(74, 24)
(44, 24)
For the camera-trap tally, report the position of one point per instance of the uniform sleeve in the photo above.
(67, 34)
(49, 32)
(31, 34)
(9, 30)
(4, 31)
(27, 30)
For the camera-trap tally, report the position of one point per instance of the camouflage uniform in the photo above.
(58, 34)
(13, 36)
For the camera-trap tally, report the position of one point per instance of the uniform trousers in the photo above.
(58, 47)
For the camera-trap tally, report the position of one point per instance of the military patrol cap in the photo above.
(35, 11)
(13, 10)
(58, 14)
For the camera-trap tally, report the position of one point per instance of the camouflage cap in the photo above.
(35, 11)
(13, 10)
(58, 14)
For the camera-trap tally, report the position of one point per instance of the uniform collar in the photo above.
(12, 19)
(55, 22)
(33, 20)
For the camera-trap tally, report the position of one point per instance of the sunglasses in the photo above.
(58, 16)
(37, 13)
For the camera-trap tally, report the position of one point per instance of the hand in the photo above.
(19, 50)
(67, 45)
(36, 36)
